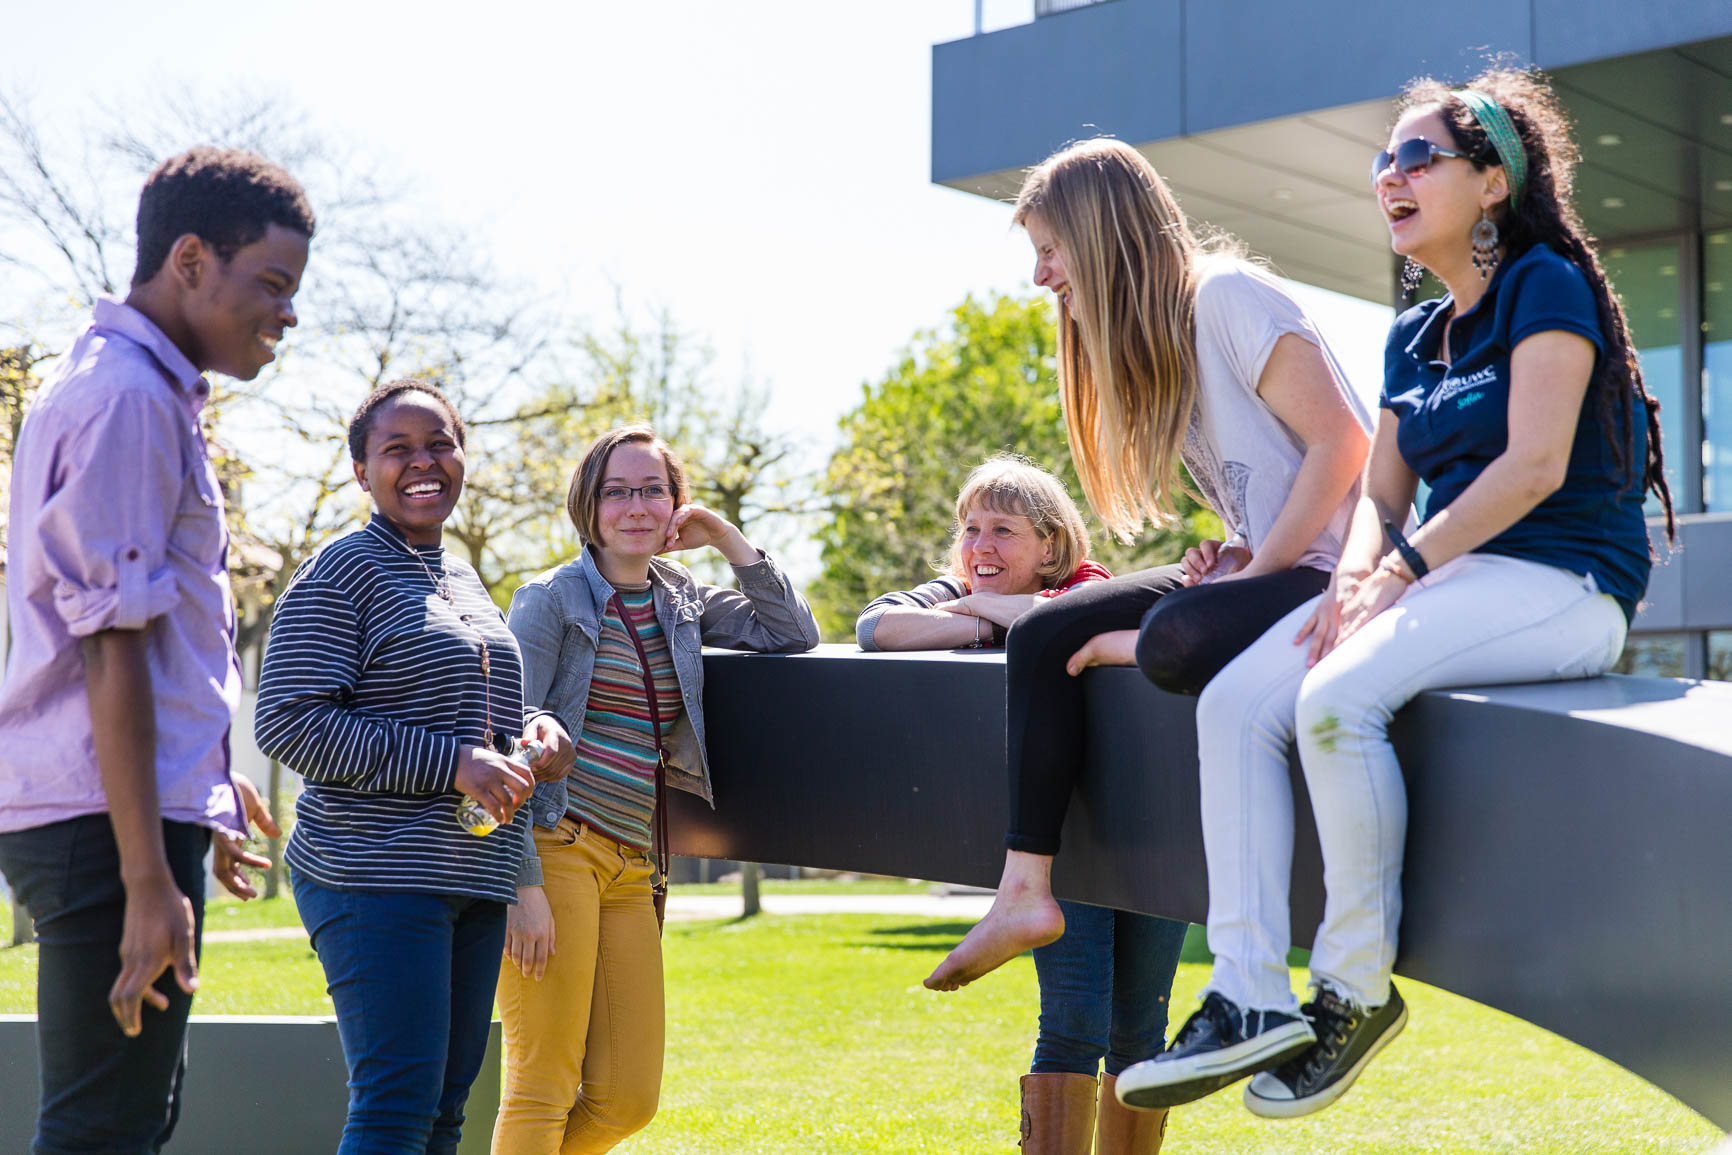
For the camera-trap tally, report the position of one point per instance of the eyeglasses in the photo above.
(1411, 157)
(651, 493)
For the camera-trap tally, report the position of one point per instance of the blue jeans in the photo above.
(101, 1091)
(412, 977)
(1104, 989)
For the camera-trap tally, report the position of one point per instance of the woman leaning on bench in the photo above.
(1105, 984)
(1168, 349)
(1518, 399)
(611, 644)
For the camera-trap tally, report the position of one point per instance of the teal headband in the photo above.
(1504, 138)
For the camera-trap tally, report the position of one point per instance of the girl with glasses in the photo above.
(1517, 397)
(611, 645)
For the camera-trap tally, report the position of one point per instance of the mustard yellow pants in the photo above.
(583, 1046)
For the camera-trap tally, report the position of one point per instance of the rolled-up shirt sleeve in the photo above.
(104, 528)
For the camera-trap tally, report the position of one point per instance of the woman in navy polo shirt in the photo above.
(1518, 399)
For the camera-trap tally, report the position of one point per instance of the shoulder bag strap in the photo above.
(649, 689)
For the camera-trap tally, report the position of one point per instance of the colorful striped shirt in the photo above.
(612, 787)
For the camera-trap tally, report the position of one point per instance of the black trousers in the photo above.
(1188, 634)
(101, 1091)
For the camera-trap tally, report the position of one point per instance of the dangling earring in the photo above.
(1412, 273)
(1485, 245)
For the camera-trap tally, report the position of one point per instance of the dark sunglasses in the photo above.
(1411, 156)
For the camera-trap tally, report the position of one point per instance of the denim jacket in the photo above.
(556, 618)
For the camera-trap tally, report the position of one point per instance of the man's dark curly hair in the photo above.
(224, 196)
(1548, 215)
(361, 423)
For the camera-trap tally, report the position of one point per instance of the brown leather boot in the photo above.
(1058, 1114)
(1121, 1130)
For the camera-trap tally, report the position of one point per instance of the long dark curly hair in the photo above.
(1547, 215)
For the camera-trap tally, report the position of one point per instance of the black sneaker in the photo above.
(1348, 1037)
(1218, 1045)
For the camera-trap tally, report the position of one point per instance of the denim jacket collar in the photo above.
(673, 586)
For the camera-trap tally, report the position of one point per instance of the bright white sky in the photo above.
(760, 168)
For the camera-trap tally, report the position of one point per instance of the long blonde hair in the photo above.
(1127, 362)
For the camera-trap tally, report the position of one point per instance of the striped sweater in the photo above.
(612, 786)
(947, 589)
(371, 688)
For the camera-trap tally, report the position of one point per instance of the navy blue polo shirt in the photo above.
(1454, 420)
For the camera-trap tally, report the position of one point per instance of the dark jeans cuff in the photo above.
(1031, 844)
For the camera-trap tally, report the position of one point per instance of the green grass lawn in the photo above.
(813, 1035)
(869, 884)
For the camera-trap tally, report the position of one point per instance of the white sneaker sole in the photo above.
(1156, 1083)
(1270, 1108)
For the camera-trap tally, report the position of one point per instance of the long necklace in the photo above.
(443, 589)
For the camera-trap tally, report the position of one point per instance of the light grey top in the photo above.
(1243, 457)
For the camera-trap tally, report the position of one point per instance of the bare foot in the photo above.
(1018, 921)
(1114, 648)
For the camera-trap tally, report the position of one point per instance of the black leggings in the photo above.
(1188, 635)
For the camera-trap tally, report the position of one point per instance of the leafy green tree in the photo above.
(984, 383)
(636, 369)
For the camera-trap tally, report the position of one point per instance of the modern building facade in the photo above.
(1263, 116)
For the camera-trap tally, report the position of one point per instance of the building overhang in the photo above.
(1264, 117)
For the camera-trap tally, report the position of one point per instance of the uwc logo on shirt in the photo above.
(1451, 387)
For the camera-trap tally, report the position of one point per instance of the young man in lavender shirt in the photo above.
(114, 711)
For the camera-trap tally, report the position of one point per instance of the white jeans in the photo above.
(1478, 620)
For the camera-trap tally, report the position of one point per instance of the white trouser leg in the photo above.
(1481, 619)
(1244, 730)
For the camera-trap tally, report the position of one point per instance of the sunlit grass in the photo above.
(813, 1035)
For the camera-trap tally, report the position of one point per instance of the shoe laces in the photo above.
(1333, 1018)
(1217, 1010)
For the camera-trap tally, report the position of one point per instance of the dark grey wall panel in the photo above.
(1008, 99)
(1693, 589)
(1662, 607)
(1707, 560)
(1251, 60)
(1567, 857)
(1575, 31)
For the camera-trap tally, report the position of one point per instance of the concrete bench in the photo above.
(1569, 850)
(262, 1084)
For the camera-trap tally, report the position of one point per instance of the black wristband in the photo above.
(1414, 559)
(998, 634)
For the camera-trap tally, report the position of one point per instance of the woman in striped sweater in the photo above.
(611, 644)
(391, 685)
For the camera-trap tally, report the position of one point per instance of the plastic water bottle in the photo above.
(473, 816)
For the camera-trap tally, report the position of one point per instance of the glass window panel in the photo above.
(1646, 277)
(1652, 656)
(1717, 372)
(1720, 655)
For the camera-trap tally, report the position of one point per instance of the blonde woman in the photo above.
(1170, 351)
(1020, 539)
(1105, 985)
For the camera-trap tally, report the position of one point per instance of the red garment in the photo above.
(1088, 571)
